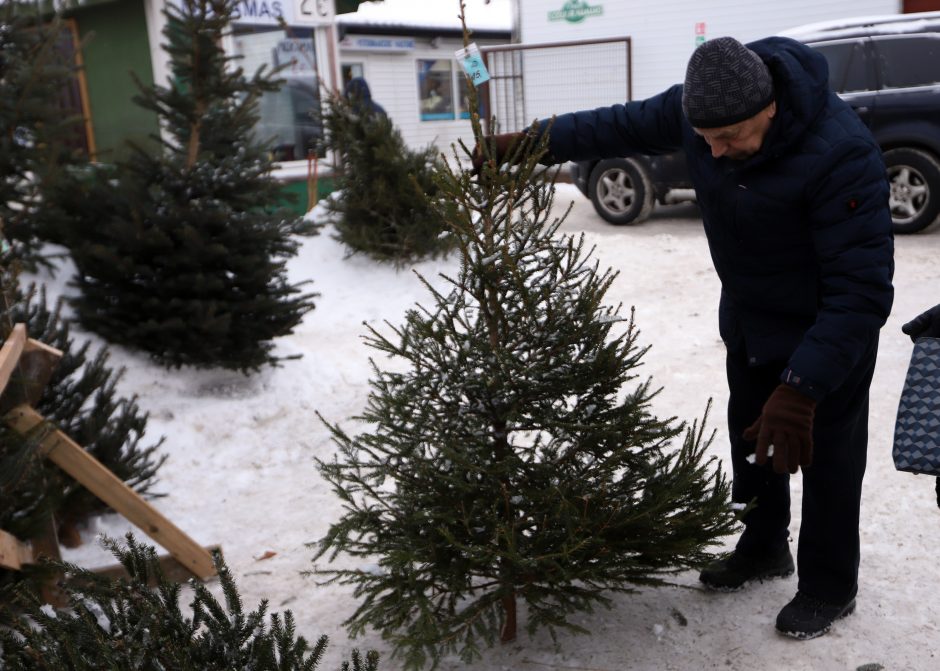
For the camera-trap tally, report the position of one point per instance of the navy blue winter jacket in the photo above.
(358, 93)
(800, 233)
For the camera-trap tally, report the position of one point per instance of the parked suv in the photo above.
(886, 68)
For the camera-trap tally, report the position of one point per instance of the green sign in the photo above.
(575, 11)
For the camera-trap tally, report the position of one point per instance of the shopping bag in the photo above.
(917, 429)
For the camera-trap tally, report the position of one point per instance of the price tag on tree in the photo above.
(472, 62)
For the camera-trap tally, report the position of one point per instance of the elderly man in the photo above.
(794, 201)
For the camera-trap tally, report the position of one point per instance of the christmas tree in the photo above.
(182, 252)
(506, 464)
(81, 399)
(34, 133)
(386, 206)
(126, 624)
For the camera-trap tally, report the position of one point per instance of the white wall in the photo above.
(393, 81)
(663, 32)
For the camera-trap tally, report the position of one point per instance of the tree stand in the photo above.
(25, 368)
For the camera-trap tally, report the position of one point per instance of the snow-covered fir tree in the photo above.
(182, 252)
(385, 207)
(510, 468)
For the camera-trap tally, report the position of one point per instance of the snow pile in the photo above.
(241, 474)
(481, 14)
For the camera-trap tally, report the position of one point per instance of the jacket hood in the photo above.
(358, 88)
(801, 84)
(360, 98)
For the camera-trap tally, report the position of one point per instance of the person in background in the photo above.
(925, 325)
(794, 200)
(357, 92)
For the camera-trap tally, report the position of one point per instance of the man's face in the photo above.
(742, 140)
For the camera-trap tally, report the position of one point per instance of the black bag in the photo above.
(917, 430)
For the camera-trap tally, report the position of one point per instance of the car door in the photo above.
(852, 73)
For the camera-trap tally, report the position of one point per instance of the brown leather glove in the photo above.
(500, 147)
(786, 422)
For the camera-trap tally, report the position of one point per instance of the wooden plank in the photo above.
(172, 569)
(46, 545)
(70, 457)
(46, 542)
(37, 346)
(14, 552)
(10, 354)
(37, 363)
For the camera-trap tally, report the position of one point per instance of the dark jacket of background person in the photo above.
(802, 244)
(357, 92)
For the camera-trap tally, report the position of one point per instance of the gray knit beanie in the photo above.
(725, 83)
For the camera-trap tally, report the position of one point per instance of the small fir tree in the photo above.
(81, 399)
(503, 464)
(385, 209)
(126, 624)
(182, 252)
(34, 133)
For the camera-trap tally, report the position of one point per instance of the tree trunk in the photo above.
(508, 633)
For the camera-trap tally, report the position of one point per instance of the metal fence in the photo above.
(534, 81)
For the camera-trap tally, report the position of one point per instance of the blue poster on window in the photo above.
(435, 89)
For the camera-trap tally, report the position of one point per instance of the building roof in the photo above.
(484, 17)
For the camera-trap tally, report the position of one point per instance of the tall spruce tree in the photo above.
(385, 208)
(181, 252)
(33, 130)
(504, 464)
(128, 624)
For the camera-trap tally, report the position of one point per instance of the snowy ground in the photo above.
(240, 471)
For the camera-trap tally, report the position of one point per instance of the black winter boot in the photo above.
(807, 617)
(735, 571)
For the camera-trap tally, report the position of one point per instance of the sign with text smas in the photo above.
(291, 12)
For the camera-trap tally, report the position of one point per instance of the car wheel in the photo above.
(915, 189)
(621, 191)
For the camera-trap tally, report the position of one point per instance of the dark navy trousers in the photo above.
(828, 549)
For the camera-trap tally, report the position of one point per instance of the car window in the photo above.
(848, 65)
(909, 60)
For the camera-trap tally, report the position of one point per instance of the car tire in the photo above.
(621, 191)
(914, 176)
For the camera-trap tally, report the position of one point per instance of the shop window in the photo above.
(351, 71)
(290, 117)
(437, 81)
(436, 89)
